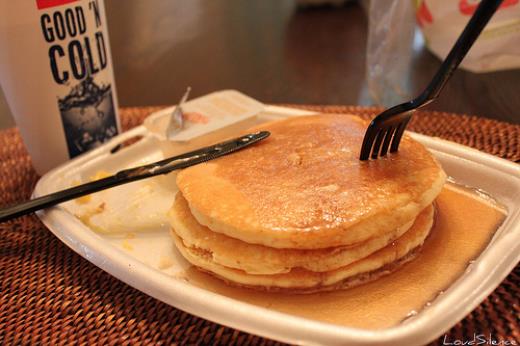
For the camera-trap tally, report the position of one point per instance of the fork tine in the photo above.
(368, 142)
(386, 143)
(377, 145)
(398, 135)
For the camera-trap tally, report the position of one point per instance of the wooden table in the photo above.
(272, 51)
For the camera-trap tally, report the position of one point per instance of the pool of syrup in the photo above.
(464, 224)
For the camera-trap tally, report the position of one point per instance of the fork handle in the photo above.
(476, 24)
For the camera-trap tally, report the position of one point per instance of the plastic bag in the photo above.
(392, 26)
(389, 50)
(498, 46)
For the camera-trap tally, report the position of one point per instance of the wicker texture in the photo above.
(50, 295)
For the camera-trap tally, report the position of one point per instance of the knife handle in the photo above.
(49, 200)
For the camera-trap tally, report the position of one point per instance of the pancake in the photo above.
(379, 263)
(259, 259)
(305, 188)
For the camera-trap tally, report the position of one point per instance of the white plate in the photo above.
(148, 263)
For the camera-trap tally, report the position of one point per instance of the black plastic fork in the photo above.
(386, 130)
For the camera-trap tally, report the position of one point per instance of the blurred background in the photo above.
(277, 51)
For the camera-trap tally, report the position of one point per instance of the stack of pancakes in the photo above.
(299, 211)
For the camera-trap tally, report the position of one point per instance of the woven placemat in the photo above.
(50, 295)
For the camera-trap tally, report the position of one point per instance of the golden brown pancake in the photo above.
(300, 280)
(305, 188)
(260, 259)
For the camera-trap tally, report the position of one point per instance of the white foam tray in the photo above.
(140, 267)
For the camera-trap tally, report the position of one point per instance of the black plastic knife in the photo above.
(129, 175)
